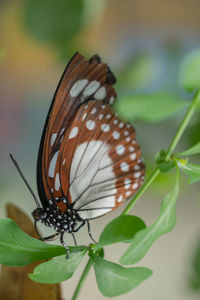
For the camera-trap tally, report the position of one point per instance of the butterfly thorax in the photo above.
(56, 219)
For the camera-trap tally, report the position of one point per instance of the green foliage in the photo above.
(166, 220)
(192, 170)
(190, 71)
(121, 229)
(19, 249)
(139, 73)
(191, 151)
(113, 279)
(164, 166)
(55, 23)
(150, 107)
(58, 269)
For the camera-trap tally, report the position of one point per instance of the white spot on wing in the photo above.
(100, 94)
(136, 167)
(116, 135)
(84, 116)
(137, 174)
(111, 100)
(135, 186)
(128, 193)
(57, 182)
(126, 132)
(90, 124)
(77, 87)
(127, 183)
(105, 127)
(120, 199)
(133, 156)
(131, 148)
(124, 167)
(101, 116)
(73, 132)
(91, 88)
(120, 149)
(53, 138)
(62, 130)
(94, 111)
(52, 165)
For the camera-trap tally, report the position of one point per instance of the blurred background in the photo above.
(147, 44)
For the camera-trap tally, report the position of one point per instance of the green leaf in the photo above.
(149, 108)
(114, 280)
(192, 170)
(166, 220)
(160, 156)
(58, 269)
(139, 72)
(19, 249)
(190, 71)
(191, 151)
(53, 23)
(121, 229)
(166, 166)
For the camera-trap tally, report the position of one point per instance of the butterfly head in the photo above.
(39, 214)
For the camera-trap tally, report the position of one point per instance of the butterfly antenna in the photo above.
(25, 181)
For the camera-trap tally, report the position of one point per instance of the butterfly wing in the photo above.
(81, 81)
(98, 165)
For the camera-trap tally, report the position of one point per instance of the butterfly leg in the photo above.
(63, 243)
(75, 243)
(83, 223)
(50, 237)
(89, 232)
(35, 225)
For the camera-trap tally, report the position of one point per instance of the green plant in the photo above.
(17, 248)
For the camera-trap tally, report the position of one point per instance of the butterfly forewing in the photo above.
(81, 81)
(98, 165)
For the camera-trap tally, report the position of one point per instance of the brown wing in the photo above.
(81, 81)
(98, 165)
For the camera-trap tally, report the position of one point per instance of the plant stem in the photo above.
(141, 191)
(82, 279)
(171, 148)
(183, 125)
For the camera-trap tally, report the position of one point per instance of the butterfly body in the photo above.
(59, 221)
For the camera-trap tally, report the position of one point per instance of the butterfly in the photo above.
(89, 161)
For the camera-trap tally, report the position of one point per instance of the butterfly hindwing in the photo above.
(98, 165)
